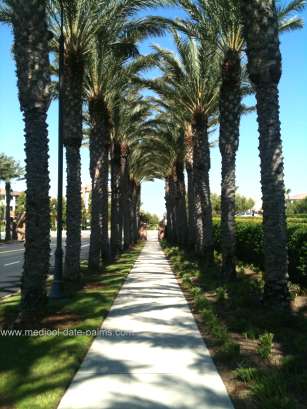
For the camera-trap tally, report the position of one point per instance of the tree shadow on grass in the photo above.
(36, 370)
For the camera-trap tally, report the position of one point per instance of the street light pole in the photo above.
(56, 289)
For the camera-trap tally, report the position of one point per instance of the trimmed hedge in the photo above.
(249, 246)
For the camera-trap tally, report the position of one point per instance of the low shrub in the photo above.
(246, 374)
(271, 392)
(265, 345)
(249, 246)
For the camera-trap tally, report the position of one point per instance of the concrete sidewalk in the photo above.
(150, 354)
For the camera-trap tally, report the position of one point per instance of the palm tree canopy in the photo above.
(218, 21)
(9, 168)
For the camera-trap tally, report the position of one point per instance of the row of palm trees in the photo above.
(9, 170)
(203, 84)
(100, 58)
(132, 137)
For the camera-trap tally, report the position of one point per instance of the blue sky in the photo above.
(293, 114)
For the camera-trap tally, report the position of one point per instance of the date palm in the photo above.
(163, 154)
(85, 22)
(129, 117)
(9, 170)
(108, 73)
(218, 22)
(191, 82)
(261, 26)
(99, 116)
(29, 22)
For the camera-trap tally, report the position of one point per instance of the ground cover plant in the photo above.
(260, 352)
(36, 370)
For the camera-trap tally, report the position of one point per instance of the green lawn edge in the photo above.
(36, 371)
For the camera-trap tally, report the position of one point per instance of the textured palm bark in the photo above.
(191, 206)
(116, 219)
(230, 112)
(99, 167)
(32, 61)
(73, 214)
(105, 247)
(201, 167)
(125, 201)
(72, 132)
(169, 215)
(173, 213)
(8, 227)
(188, 141)
(264, 67)
(180, 203)
(138, 209)
(132, 211)
(135, 214)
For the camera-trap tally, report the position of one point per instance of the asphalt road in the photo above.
(11, 262)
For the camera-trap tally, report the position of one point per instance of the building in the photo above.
(300, 196)
(85, 194)
(14, 197)
(86, 191)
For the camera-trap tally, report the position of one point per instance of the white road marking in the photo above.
(10, 251)
(10, 264)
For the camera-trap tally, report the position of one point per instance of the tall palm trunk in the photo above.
(72, 106)
(125, 197)
(116, 217)
(191, 206)
(201, 167)
(138, 208)
(264, 67)
(32, 61)
(105, 248)
(73, 214)
(188, 141)
(132, 211)
(169, 217)
(230, 112)
(8, 227)
(99, 174)
(172, 209)
(181, 210)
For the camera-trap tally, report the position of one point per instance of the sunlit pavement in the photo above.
(11, 261)
(149, 353)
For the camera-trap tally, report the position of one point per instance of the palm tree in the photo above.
(216, 22)
(99, 156)
(160, 154)
(29, 22)
(85, 23)
(129, 116)
(191, 84)
(261, 25)
(9, 170)
(116, 221)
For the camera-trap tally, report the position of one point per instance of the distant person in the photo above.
(161, 230)
(143, 232)
(21, 227)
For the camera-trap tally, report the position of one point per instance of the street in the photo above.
(11, 262)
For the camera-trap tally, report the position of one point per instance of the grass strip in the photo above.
(36, 370)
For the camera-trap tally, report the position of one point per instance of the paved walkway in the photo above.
(163, 362)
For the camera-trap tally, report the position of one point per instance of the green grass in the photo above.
(35, 371)
(233, 311)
